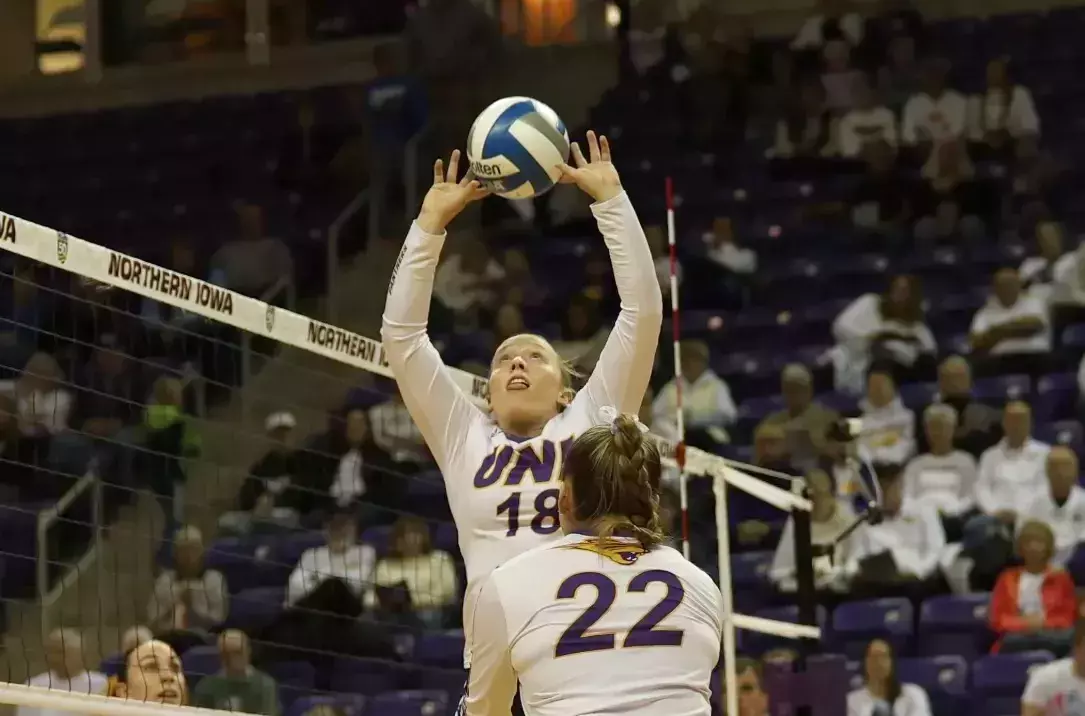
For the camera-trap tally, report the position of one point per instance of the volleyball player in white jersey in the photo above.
(605, 620)
(501, 467)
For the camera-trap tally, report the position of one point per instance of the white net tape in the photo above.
(98, 263)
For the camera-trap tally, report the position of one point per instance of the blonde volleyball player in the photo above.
(501, 467)
(604, 620)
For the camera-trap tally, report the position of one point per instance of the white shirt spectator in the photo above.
(88, 682)
(888, 432)
(994, 314)
(930, 119)
(430, 579)
(349, 483)
(706, 402)
(734, 258)
(860, 127)
(354, 566)
(914, 536)
(458, 289)
(1067, 521)
(853, 330)
(1056, 689)
(811, 35)
(944, 483)
(826, 533)
(912, 701)
(994, 111)
(395, 431)
(1009, 478)
(47, 409)
(1069, 278)
(1047, 280)
(207, 605)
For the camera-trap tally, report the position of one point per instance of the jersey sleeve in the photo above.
(1038, 689)
(443, 412)
(621, 376)
(491, 685)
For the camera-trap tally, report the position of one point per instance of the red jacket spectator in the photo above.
(1056, 593)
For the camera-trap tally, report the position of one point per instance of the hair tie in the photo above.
(609, 416)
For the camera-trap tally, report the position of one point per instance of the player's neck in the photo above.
(523, 429)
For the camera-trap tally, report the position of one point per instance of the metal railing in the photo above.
(48, 593)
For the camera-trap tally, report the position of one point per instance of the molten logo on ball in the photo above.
(516, 147)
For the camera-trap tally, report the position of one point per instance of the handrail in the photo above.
(334, 232)
(410, 170)
(89, 482)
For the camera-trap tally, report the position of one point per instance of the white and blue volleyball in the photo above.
(516, 146)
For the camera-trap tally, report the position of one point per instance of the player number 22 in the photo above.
(545, 521)
(577, 640)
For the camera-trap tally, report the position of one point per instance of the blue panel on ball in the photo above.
(500, 142)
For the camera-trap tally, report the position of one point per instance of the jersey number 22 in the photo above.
(576, 639)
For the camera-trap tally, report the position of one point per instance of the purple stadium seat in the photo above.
(1003, 387)
(1074, 338)
(856, 623)
(944, 678)
(445, 537)
(450, 681)
(253, 608)
(294, 678)
(349, 704)
(287, 550)
(750, 570)
(440, 648)
(366, 676)
(410, 703)
(997, 681)
(918, 395)
(1064, 432)
(200, 661)
(380, 538)
(243, 562)
(1056, 397)
(111, 665)
(954, 625)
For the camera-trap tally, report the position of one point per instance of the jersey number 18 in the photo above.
(545, 521)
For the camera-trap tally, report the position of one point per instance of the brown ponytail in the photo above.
(614, 472)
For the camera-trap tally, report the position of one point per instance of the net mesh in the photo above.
(147, 416)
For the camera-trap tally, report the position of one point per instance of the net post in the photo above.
(806, 587)
(730, 648)
(676, 334)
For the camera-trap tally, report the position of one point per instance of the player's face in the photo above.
(526, 381)
(154, 675)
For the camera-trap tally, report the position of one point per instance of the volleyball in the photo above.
(516, 146)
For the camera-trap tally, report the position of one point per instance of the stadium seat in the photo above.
(253, 608)
(954, 625)
(367, 676)
(451, 681)
(1056, 398)
(410, 703)
(201, 661)
(243, 562)
(856, 623)
(998, 680)
(750, 570)
(349, 704)
(1063, 432)
(1002, 388)
(441, 649)
(944, 678)
(918, 395)
(294, 678)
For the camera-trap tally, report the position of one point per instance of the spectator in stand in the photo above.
(508, 322)
(868, 122)
(1034, 177)
(466, 281)
(1011, 333)
(1061, 506)
(1004, 113)
(834, 20)
(134, 636)
(66, 661)
(239, 686)
(520, 286)
(882, 203)
(22, 311)
(936, 114)
(882, 693)
(254, 261)
(751, 520)
(943, 478)
(1059, 682)
(839, 77)
(707, 405)
(979, 426)
(805, 422)
(887, 329)
(1010, 474)
(582, 334)
(829, 518)
(752, 698)
(900, 554)
(269, 500)
(354, 472)
(343, 560)
(189, 600)
(953, 204)
(724, 250)
(1040, 274)
(888, 434)
(414, 577)
(900, 78)
(1033, 606)
(43, 407)
(395, 432)
(808, 130)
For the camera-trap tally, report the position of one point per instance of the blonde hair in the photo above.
(614, 471)
(1034, 529)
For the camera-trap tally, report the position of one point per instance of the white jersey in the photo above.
(590, 629)
(503, 490)
(1056, 689)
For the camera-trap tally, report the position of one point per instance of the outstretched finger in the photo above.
(453, 167)
(438, 171)
(578, 156)
(568, 174)
(468, 177)
(593, 146)
(604, 148)
(477, 190)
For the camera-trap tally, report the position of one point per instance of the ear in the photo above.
(565, 501)
(565, 398)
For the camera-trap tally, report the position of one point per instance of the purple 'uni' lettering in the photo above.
(493, 465)
(524, 459)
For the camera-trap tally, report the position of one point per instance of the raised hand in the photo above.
(447, 197)
(596, 176)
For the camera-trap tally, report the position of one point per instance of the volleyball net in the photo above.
(148, 417)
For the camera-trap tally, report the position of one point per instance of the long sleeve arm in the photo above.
(986, 497)
(492, 683)
(217, 598)
(621, 376)
(162, 600)
(969, 477)
(442, 411)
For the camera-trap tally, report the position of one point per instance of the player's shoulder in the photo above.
(686, 570)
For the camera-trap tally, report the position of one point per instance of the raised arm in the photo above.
(441, 410)
(620, 378)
